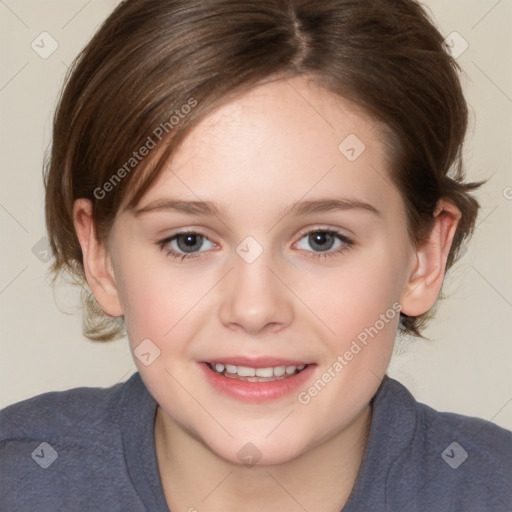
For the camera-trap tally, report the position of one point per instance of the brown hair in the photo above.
(157, 67)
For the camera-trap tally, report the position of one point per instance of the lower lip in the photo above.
(256, 391)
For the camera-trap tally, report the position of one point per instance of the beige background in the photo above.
(466, 368)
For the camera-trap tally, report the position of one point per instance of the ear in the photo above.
(429, 261)
(97, 264)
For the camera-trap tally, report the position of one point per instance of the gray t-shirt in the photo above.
(91, 449)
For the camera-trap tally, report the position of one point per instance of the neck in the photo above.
(321, 479)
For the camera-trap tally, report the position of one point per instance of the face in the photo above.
(273, 243)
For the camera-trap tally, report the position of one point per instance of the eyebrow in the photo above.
(299, 208)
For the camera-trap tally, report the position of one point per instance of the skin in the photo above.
(254, 157)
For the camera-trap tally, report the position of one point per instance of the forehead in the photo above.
(283, 140)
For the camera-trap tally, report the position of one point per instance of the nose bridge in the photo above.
(253, 297)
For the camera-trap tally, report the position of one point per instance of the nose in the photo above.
(254, 299)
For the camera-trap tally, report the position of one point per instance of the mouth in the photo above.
(252, 374)
(256, 380)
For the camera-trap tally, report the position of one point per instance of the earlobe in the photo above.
(96, 259)
(429, 261)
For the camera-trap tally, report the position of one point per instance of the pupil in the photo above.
(188, 242)
(322, 241)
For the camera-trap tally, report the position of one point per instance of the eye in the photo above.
(185, 245)
(324, 243)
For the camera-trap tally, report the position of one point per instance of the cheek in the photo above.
(354, 296)
(363, 311)
(160, 302)
(150, 303)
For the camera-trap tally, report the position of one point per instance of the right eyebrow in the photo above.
(191, 207)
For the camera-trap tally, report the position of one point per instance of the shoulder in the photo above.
(63, 450)
(486, 442)
(61, 415)
(458, 461)
(50, 414)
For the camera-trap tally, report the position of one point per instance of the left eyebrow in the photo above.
(330, 204)
(298, 208)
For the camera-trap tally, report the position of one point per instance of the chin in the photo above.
(258, 450)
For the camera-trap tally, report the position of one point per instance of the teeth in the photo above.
(264, 372)
(279, 371)
(245, 371)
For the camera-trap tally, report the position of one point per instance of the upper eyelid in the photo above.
(187, 232)
(322, 229)
(338, 234)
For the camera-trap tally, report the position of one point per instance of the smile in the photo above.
(257, 380)
(249, 374)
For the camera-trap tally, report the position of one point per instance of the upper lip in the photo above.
(257, 362)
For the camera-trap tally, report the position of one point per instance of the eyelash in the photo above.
(346, 245)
